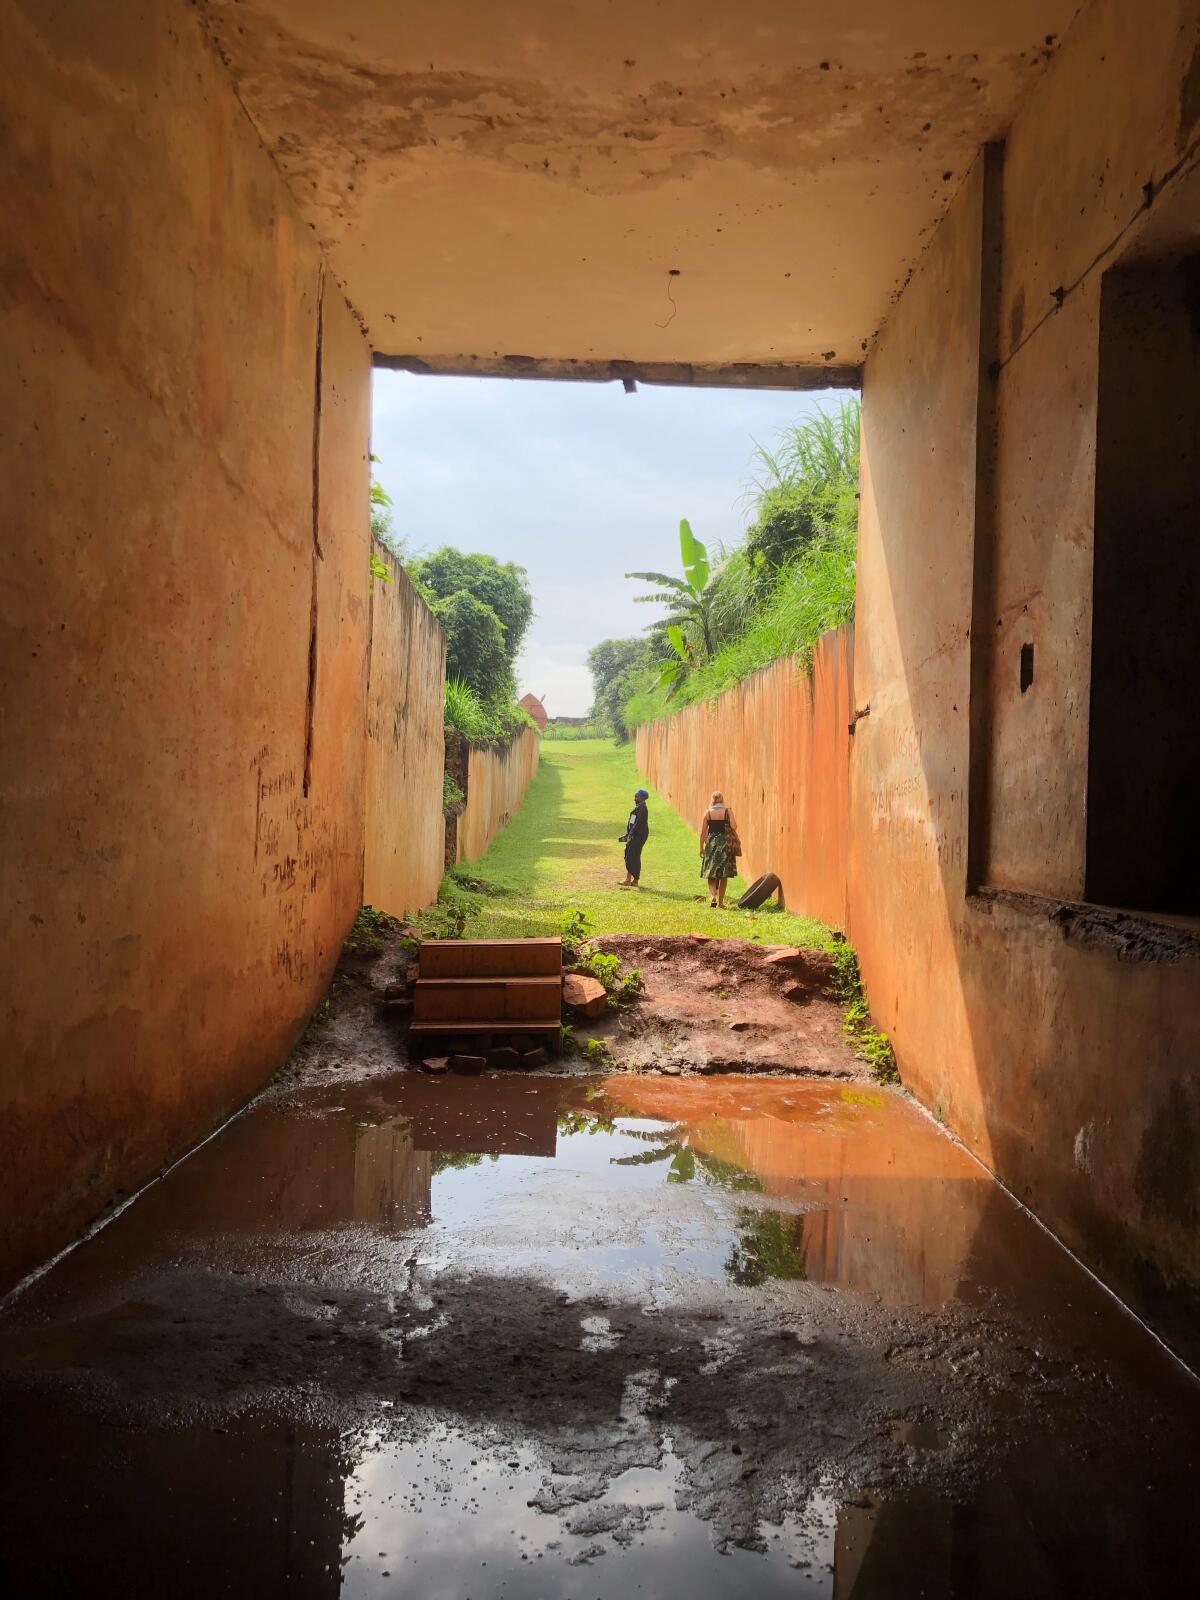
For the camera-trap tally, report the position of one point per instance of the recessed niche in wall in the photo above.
(1144, 733)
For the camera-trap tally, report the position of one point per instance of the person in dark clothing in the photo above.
(637, 831)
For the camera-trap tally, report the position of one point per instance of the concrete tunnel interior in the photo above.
(226, 214)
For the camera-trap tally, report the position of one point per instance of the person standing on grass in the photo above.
(719, 848)
(637, 831)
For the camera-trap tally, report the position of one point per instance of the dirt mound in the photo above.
(721, 1005)
(710, 1005)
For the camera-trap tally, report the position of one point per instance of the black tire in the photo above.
(759, 891)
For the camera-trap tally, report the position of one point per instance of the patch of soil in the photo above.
(718, 1005)
(710, 1005)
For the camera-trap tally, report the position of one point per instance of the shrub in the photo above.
(464, 710)
(453, 799)
(370, 932)
(574, 927)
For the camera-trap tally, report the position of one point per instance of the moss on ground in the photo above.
(560, 853)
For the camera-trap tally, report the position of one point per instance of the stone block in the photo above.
(469, 1066)
(585, 996)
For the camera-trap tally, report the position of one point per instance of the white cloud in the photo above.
(578, 483)
(561, 682)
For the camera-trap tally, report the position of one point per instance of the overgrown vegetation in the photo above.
(770, 597)
(383, 528)
(453, 799)
(485, 607)
(451, 914)
(370, 933)
(870, 1044)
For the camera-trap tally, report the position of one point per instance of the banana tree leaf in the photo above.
(678, 642)
(694, 557)
(663, 578)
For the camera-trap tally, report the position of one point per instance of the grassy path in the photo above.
(560, 852)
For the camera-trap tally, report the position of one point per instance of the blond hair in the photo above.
(718, 799)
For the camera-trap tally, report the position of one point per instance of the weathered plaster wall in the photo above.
(496, 783)
(185, 407)
(784, 161)
(778, 747)
(1060, 1043)
(405, 750)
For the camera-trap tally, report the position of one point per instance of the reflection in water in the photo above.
(550, 1337)
(769, 1245)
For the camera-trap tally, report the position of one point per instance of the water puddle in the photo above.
(567, 1337)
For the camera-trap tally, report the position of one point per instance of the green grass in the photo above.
(812, 595)
(560, 852)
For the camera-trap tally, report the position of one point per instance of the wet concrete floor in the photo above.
(564, 1337)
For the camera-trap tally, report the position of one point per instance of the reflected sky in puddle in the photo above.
(568, 1337)
(402, 1500)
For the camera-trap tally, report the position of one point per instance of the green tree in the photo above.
(617, 667)
(475, 646)
(688, 623)
(501, 586)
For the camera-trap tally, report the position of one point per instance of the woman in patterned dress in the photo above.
(718, 863)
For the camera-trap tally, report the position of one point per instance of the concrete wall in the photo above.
(184, 449)
(496, 783)
(1060, 1041)
(405, 750)
(778, 747)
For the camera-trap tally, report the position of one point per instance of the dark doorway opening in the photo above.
(1144, 751)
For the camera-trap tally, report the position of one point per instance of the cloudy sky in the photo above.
(577, 482)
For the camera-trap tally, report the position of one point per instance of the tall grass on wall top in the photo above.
(791, 577)
(467, 713)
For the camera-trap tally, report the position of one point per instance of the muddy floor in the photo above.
(577, 1337)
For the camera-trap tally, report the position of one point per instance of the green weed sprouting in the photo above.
(632, 986)
(870, 1044)
(574, 927)
(370, 932)
(453, 910)
(606, 969)
(379, 570)
(598, 1053)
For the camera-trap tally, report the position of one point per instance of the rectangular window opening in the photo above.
(1144, 732)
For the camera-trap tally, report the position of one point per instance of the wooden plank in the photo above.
(490, 958)
(450, 1001)
(487, 1025)
(453, 999)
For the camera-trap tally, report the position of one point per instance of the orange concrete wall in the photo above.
(1060, 1046)
(778, 748)
(186, 507)
(496, 785)
(405, 750)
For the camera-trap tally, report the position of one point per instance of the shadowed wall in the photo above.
(186, 401)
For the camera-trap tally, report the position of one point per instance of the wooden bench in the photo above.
(484, 987)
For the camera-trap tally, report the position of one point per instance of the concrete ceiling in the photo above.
(518, 186)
